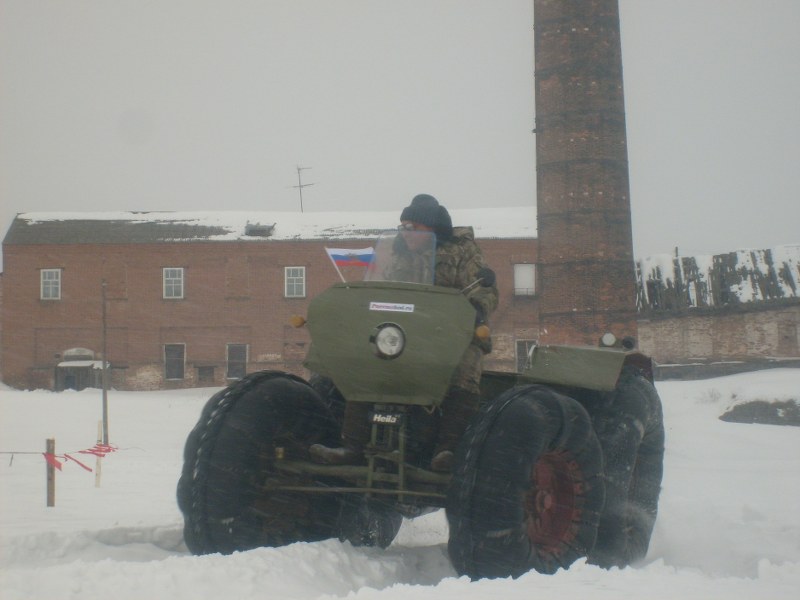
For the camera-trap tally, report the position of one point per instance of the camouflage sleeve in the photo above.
(457, 266)
(485, 297)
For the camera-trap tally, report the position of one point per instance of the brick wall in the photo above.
(234, 293)
(753, 333)
(737, 306)
(517, 316)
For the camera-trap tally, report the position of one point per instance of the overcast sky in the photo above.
(212, 105)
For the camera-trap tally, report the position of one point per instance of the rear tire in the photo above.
(630, 426)
(527, 490)
(229, 456)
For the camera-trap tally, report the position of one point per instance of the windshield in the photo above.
(407, 256)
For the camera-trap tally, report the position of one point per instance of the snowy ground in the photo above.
(728, 525)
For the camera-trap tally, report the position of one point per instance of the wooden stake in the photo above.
(50, 448)
(98, 464)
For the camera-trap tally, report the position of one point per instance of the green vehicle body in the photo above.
(438, 325)
(562, 459)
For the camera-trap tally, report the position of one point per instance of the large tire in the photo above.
(527, 489)
(630, 426)
(229, 456)
(329, 394)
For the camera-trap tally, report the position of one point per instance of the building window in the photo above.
(174, 360)
(524, 348)
(237, 361)
(524, 280)
(295, 278)
(50, 284)
(173, 282)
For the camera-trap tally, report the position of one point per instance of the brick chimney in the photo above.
(586, 277)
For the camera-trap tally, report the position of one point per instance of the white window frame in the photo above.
(294, 282)
(50, 284)
(172, 283)
(524, 279)
(183, 366)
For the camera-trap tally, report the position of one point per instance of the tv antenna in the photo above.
(300, 185)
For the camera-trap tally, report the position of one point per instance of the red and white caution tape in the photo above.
(99, 450)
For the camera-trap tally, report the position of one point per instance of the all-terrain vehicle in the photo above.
(563, 460)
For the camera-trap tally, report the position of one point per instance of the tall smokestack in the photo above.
(586, 268)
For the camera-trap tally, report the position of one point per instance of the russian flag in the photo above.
(343, 257)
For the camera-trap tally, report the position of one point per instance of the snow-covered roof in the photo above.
(188, 226)
(94, 364)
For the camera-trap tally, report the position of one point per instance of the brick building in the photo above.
(196, 299)
(728, 311)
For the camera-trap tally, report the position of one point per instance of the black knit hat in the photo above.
(426, 210)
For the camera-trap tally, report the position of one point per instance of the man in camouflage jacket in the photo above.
(457, 265)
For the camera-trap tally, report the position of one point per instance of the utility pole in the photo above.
(105, 368)
(300, 185)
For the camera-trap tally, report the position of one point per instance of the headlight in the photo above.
(608, 340)
(388, 340)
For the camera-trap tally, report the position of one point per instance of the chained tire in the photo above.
(329, 394)
(527, 489)
(229, 465)
(629, 424)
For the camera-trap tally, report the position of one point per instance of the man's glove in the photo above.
(484, 343)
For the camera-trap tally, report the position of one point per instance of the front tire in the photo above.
(527, 489)
(229, 458)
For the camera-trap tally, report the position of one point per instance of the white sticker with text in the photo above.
(391, 307)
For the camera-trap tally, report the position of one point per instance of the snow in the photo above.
(728, 524)
(95, 364)
(497, 222)
(783, 268)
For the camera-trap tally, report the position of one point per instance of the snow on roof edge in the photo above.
(502, 223)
